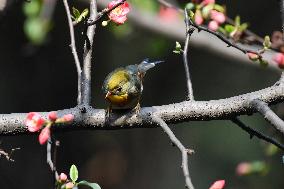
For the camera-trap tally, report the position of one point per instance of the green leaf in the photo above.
(229, 28)
(189, 6)
(263, 63)
(237, 21)
(32, 9)
(176, 52)
(36, 30)
(267, 42)
(82, 15)
(206, 10)
(178, 46)
(222, 30)
(219, 8)
(243, 26)
(191, 15)
(76, 12)
(73, 173)
(92, 185)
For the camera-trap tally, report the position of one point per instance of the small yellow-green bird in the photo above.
(123, 86)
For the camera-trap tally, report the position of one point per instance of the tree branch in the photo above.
(268, 114)
(228, 108)
(73, 48)
(252, 132)
(188, 31)
(49, 159)
(175, 30)
(104, 12)
(88, 49)
(184, 151)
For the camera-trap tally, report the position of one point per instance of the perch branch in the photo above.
(73, 48)
(184, 151)
(228, 108)
(252, 132)
(188, 31)
(268, 114)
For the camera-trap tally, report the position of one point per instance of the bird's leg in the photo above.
(137, 108)
(108, 112)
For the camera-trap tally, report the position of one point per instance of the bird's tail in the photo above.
(146, 65)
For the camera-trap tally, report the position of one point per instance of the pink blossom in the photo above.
(62, 177)
(118, 15)
(34, 121)
(69, 185)
(243, 168)
(279, 59)
(206, 2)
(198, 19)
(68, 118)
(44, 135)
(168, 14)
(52, 116)
(213, 25)
(253, 56)
(217, 16)
(219, 184)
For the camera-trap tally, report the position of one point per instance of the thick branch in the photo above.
(184, 151)
(73, 48)
(268, 114)
(13, 124)
(88, 49)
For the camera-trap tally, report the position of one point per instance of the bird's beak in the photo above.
(107, 95)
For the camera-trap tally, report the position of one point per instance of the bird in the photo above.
(123, 87)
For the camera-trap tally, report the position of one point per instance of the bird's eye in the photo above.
(119, 89)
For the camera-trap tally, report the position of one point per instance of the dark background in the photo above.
(44, 79)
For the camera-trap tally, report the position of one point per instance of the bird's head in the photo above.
(117, 84)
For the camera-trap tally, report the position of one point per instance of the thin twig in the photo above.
(86, 74)
(180, 146)
(217, 34)
(222, 38)
(268, 114)
(74, 50)
(7, 155)
(104, 12)
(252, 132)
(189, 31)
(49, 160)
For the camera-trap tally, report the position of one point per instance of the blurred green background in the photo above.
(43, 78)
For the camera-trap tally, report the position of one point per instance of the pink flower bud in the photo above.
(206, 2)
(198, 19)
(243, 168)
(69, 185)
(279, 59)
(217, 16)
(44, 135)
(68, 118)
(52, 116)
(62, 177)
(34, 121)
(213, 25)
(253, 56)
(219, 184)
(168, 14)
(118, 15)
